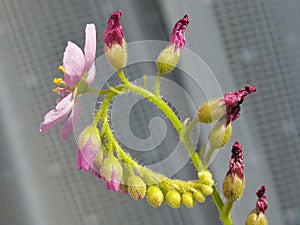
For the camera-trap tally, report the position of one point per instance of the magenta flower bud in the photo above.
(234, 182)
(257, 216)
(228, 106)
(114, 42)
(169, 56)
(178, 34)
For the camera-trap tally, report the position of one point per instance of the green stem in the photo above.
(157, 84)
(123, 78)
(208, 156)
(217, 199)
(159, 103)
(225, 213)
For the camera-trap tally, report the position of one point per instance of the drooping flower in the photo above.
(88, 147)
(228, 106)
(112, 173)
(257, 216)
(234, 182)
(79, 71)
(169, 57)
(114, 42)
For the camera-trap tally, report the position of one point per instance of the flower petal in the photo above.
(73, 62)
(114, 183)
(86, 157)
(91, 74)
(62, 109)
(71, 122)
(90, 46)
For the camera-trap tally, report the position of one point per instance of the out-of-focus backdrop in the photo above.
(255, 42)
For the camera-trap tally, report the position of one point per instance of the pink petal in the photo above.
(91, 74)
(114, 183)
(86, 157)
(56, 115)
(71, 122)
(73, 62)
(96, 173)
(90, 46)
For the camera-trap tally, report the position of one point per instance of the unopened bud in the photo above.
(234, 182)
(114, 42)
(206, 178)
(188, 200)
(220, 134)
(136, 187)
(112, 173)
(173, 199)
(212, 110)
(256, 218)
(155, 196)
(198, 196)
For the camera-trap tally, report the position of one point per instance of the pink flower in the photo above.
(178, 34)
(79, 72)
(112, 173)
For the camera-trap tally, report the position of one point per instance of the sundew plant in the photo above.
(99, 151)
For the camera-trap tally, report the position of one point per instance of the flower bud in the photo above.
(206, 190)
(173, 199)
(112, 173)
(136, 187)
(257, 216)
(212, 110)
(206, 178)
(169, 57)
(188, 200)
(220, 134)
(198, 196)
(155, 196)
(114, 42)
(88, 147)
(234, 182)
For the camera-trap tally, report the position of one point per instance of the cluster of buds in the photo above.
(223, 110)
(175, 193)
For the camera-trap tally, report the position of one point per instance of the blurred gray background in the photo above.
(242, 41)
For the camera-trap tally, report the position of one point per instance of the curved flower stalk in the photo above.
(79, 71)
(99, 150)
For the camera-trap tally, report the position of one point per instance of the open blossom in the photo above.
(79, 71)
(169, 57)
(114, 42)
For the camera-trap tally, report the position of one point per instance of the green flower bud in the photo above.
(136, 187)
(112, 173)
(220, 134)
(205, 177)
(173, 199)
(188, 200)
(168, 59)
(206, 190)
(256, 218)
(212, 110)
(233, 187)
(198, 196)
(155, 196)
